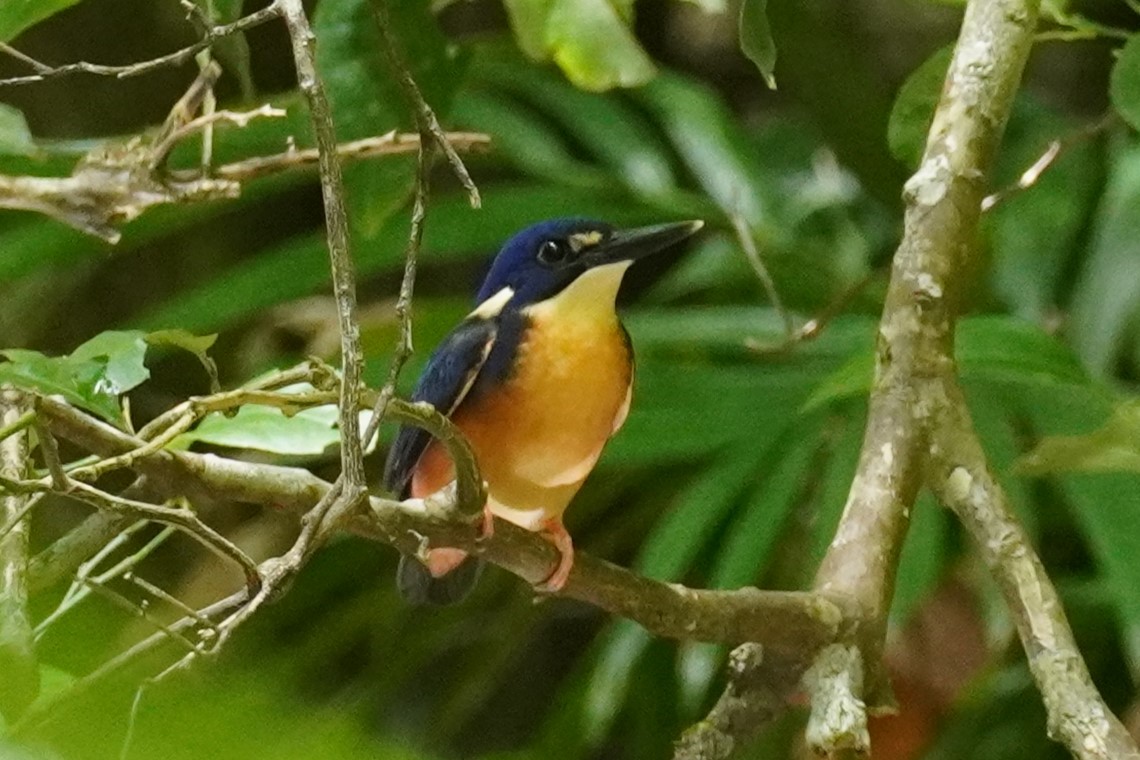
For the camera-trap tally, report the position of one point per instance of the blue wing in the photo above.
(448, 376)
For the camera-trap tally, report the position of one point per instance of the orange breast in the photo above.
(539, 435)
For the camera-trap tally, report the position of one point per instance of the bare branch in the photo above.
(211, 34)
(390, 144)
(1077, 716)
(425, 116)
(303, 42)
(403, 348)
(21, 681)
(785, 621)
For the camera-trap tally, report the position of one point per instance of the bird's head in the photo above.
(545, 259)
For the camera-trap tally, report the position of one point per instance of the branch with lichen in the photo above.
(20, 683)
(117, 182)
(919, 433)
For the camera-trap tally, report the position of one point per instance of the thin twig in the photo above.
(177, 58)
(425, 116)
(390, 144)
(303, 41)
(748, 245)
(403, 348)
(1056, 149)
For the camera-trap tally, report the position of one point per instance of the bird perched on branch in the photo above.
(537, 378)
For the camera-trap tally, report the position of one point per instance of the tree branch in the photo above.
(211, 34)
(303, 43)
(784, 621)
(21, 677)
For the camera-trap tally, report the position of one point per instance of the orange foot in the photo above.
(554, 532)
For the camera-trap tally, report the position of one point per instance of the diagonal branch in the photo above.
(210, 35)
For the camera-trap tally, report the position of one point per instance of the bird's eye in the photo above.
(552, 252)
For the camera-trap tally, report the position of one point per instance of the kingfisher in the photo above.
(537, 378)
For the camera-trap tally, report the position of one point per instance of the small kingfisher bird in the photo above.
(537, 378)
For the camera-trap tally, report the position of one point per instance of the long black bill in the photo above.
(628, 245)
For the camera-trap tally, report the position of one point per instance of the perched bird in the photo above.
(537, 378)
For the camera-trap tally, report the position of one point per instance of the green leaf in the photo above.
(257, 427)
(594, 45)
(525, 140)
(589, 39)
(1124, 84)
(1115, 446)
(309, 432)
(18, 15)
(123, 353)
(366, 97)
(608, 127)
(756, 39)
(914, 105)
(15, 138)
(711, 143)
(750, 537)
(1105, 299)
(82, 383)
(992, 349)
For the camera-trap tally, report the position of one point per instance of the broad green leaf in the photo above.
(82, 383)
(988, 348)
(18, 15)
(756, 39)
(124, 353)
(528, 20)
(609, 128)
(1105, 299)
(367, 99)
(591, 40)
(711, 143)
(1124, 84)
(525, 140)
(1113, 447)
(309, 432)
(914, 105)
(594, 45)
(752, 534)
(14, 134)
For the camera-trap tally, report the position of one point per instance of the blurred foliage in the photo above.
(736, 460)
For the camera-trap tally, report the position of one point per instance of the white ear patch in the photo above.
(490, 308)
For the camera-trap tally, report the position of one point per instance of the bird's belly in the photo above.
(540, 433)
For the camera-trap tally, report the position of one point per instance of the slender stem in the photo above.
(303, 42)
(177, 58)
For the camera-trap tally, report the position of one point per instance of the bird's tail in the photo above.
(418, 586)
